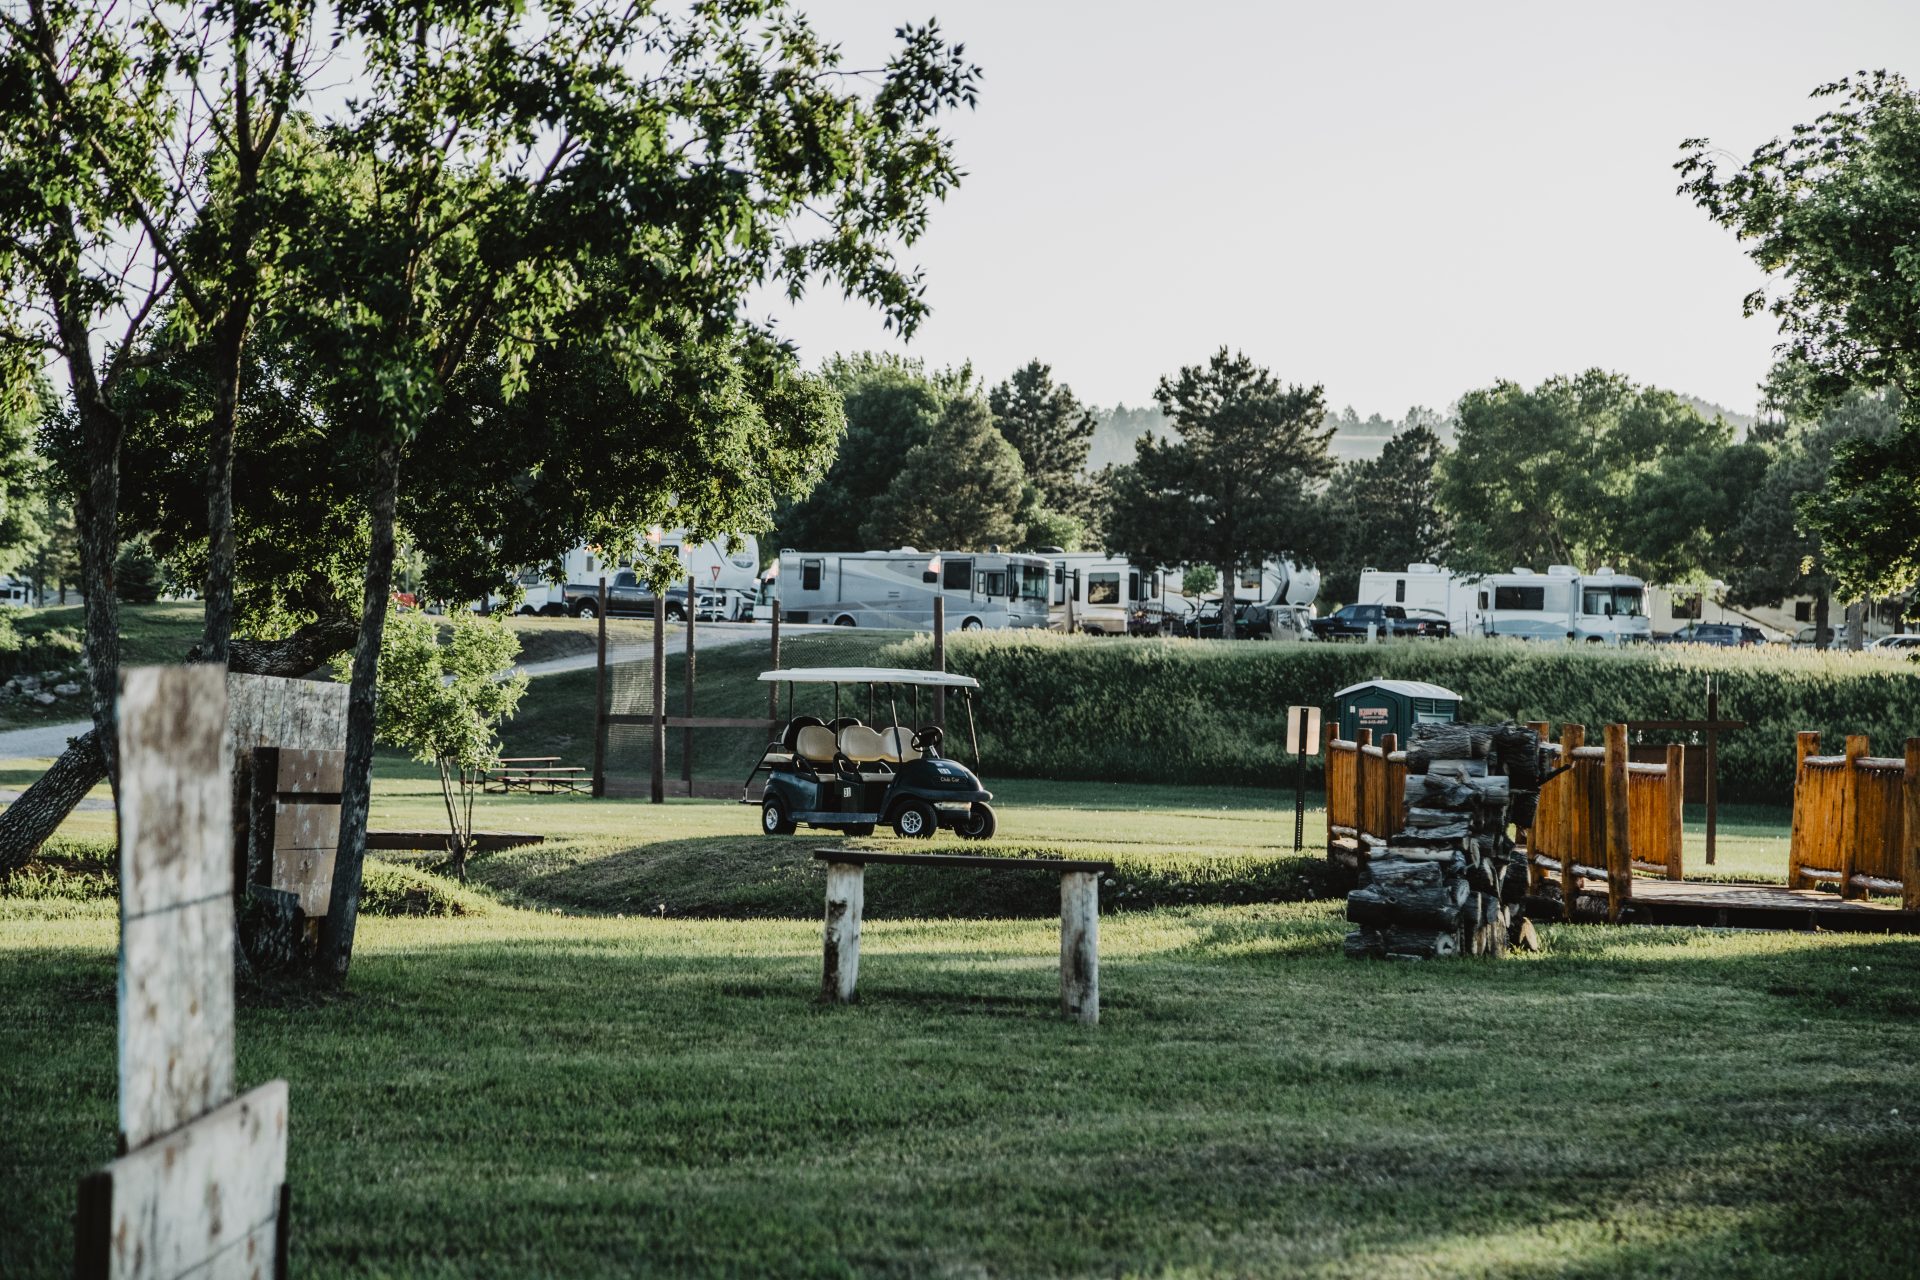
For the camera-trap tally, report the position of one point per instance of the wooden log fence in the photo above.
(1856, 820)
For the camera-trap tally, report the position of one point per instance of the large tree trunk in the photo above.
(1226, 600)
(30, 821)
(356, 794)
(217, 591)
(1822, 618)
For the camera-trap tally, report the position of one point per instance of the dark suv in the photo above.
(1725, 635)
(1350, 622)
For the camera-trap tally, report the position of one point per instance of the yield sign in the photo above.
(715, 569)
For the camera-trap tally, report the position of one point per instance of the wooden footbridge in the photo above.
(1606, 842)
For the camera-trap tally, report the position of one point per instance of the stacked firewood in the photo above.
(1449, 882)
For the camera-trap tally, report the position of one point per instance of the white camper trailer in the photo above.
(1602, 607)
(729, 578)
(1421, 586)
(1105, 596)
(982, 589)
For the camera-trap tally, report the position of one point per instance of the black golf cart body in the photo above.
(848, 775)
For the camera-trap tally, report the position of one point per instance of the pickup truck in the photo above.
(1390, 621)
(626, 596)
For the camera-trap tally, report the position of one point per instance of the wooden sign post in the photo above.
(201, 1186)
(1303, 740)
(1712, 727)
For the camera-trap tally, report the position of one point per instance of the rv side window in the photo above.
(809, 575)
(956, 575)
(1103, 588)
(1399, 590)
(1534, 598)
(1133, 586)
(993, 583)
(1483, 602)
(589, 564)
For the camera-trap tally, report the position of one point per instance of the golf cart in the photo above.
(853, 775)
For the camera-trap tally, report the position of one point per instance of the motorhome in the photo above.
(1105, 596)
(1602, 607)
(726, 569)
(982, 589)
(1420, 586)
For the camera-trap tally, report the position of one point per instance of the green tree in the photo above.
(1235, 487)
(442, 700)
(1562, 473)
(1386, 511)
(1052, 432)
(1832, 213)
(137, 575)
(891, 404)
(961, 488)
(513, 179)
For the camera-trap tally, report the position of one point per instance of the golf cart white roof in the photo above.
(868, 675)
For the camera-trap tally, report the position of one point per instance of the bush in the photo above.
(137, 577)
(1056, 706)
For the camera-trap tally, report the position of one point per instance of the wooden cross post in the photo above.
(940, 656)
(686, 734)
(600, 698)
(659, 722)
(773, 689)
(201, 1187)
(1712, 727)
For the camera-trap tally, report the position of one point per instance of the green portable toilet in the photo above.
(1393, 706)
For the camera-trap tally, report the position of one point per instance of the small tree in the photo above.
(443, 699)
(137, 577)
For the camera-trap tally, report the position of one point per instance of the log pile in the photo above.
(1449, 882)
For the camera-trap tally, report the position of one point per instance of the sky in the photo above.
(1398, 201)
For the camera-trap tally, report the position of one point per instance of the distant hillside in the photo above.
(1707, 409)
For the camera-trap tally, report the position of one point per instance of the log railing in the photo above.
(1605, 818)
(1366, 787)
(1856, 818)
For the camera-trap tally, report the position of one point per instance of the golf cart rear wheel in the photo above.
(774, 820)
(979, 824)
(915, 820)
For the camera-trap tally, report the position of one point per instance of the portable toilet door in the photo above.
(1393, 706)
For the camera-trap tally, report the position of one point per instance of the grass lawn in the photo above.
(526, 1094)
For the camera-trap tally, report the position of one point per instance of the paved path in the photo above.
(41, 741)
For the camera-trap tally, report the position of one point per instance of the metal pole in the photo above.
(1713, 765)
(773, 690)
(600, 699)
(686, 734)
(940, 656)
(659, 793)
(1300, 787)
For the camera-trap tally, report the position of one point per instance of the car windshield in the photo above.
(1612, 602)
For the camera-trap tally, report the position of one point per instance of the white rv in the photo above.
(1421, 586)
(982, 589)
(1602, 607)
(1105, 596)
(728, 579)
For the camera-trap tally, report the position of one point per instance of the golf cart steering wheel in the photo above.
(927, 738)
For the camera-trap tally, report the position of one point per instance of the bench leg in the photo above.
(1080, 946)
(846, 898)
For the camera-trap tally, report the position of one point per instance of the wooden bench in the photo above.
(1079, 919)
(534, 775)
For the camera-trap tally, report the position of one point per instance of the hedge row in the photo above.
(1058, 706)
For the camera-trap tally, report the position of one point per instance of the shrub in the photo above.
(1059, 706)
(137, 576)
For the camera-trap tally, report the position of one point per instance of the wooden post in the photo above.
(1713, 768)
(659, 794)
(686, 735)
(1676, 809)
(1362, 739)
(1080, 946)
(1572, 738)
(200, 1189)
(1534, 874)
(1619, 855)
(1804, 744)
(773, 690)
(1910, 830)
(846, 899)
(940, 654)
(600, 699)
(1857, 746)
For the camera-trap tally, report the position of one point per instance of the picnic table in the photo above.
(533, 775)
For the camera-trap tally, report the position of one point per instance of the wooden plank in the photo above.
(840, 963)
(1573, 739)
(1910, 830)
(176, 908)
(1080, 947)
(205, 1199)
(305, 772)
(305, 826)
(1850, 832)
(1676, 795)
(272, 711)
(864, 856)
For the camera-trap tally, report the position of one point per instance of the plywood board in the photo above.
(203, 1201)
(176, 912)
(272, 711)
(304, 771)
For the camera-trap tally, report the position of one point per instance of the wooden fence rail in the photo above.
(1856, 820)
(1603, 820)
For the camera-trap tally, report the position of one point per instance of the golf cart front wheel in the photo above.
(979, 824)
(774, 820)
(916, 820)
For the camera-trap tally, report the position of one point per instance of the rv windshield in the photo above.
(1612, 602)
(1034, 579)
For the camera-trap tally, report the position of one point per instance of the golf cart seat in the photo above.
(897, 745)
(814, 744)
(862, 745)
